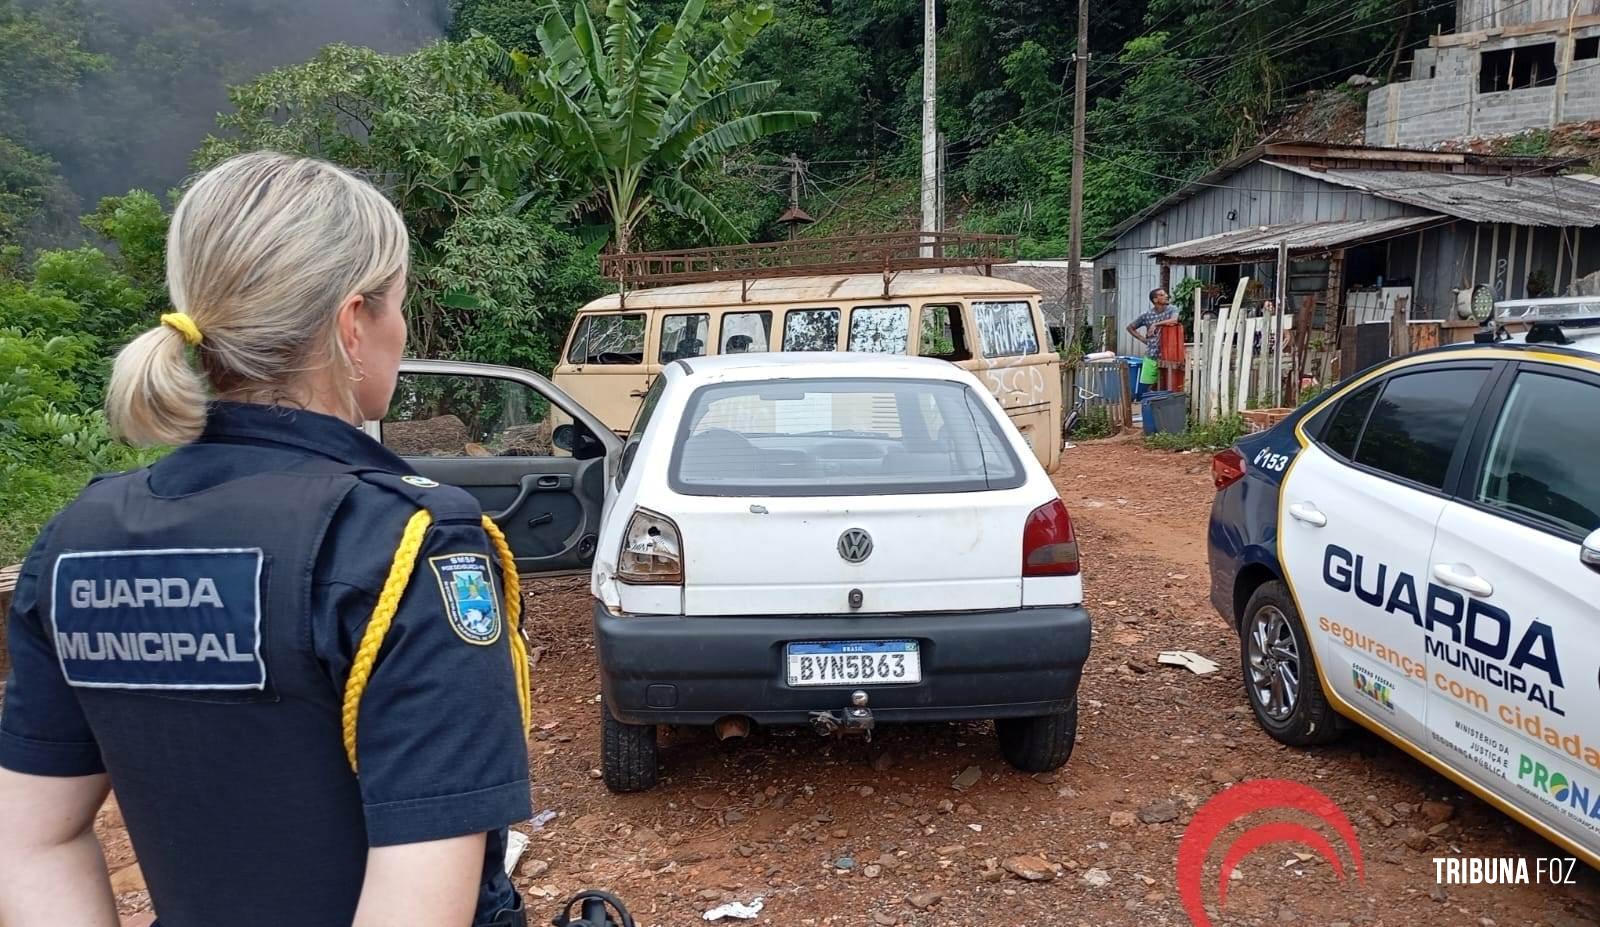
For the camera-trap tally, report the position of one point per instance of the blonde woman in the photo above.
(294, 660)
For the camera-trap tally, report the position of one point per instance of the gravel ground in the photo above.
(851, 833)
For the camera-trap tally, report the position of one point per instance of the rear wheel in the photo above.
(1039, 744)
(1280, 673)
(627, 754)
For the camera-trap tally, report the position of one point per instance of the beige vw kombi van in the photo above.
(992, 327)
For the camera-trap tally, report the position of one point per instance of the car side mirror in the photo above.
(1589, 553)
(564, 437)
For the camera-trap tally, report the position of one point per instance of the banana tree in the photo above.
(627, 117)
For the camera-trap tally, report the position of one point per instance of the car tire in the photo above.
(1280, 673)
(1040, 744)
(628, 754)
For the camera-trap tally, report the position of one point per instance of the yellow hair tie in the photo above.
(183, 325)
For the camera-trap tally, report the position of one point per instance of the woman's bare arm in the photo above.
(51, 869)
(433, 884)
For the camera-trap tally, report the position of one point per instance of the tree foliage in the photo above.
(626, 116)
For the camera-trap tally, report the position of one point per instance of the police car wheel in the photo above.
(1280, 673)
(1042, 744)
(627, 754)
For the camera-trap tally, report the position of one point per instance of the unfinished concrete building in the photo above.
(1510, 66)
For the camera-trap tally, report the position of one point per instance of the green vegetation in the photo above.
(540, 132)
(1212, 436)
(1093, 423)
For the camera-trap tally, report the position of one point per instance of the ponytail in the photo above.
(155, 396)
(261, 252)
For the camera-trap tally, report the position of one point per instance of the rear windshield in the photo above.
(840, 437)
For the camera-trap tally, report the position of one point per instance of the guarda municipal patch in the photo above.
(159, 619)
(466, 582)
(420, 481)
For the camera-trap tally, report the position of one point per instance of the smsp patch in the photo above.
(159, 619)
(471, 603)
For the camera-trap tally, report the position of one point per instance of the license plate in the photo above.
(854, 663)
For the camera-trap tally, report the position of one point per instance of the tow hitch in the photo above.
(857, 719)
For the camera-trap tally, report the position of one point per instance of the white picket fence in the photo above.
(1237, 362)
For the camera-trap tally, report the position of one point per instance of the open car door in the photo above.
(488, 430)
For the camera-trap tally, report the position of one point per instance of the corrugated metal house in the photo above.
(1357, 220)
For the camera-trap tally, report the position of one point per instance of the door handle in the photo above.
(636, 394)
(543, 518)
(1308, 513)
(548, 482)
(1462, 577)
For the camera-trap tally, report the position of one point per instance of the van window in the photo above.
(811, 330)
(746, 332)
(943, 335)
(880, 329)
(684, 336)
(608, 339)
(1006, 329)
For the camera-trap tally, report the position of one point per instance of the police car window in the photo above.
(434, 415)
(1344, 426)
(1419, 417)
(1541, 455)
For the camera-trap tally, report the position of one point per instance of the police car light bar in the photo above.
(1558, 309)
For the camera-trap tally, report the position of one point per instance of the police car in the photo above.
(832, 540)
(1416, 551)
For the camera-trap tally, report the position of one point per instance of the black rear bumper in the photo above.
(1011, 663)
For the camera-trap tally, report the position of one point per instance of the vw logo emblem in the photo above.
(855, 545)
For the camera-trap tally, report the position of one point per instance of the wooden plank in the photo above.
(1399, 329)
(1199, 378)
(8, 585)
(1241, 395)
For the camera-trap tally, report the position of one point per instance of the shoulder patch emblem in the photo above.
(421, 481)
(471, 602)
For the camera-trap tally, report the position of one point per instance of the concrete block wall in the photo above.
(1426, 110)
(1512, 110)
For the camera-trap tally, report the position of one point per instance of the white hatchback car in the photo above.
(826, 539)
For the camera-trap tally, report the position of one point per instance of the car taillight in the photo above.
(1227, 468)
(1048, 545)
(652, 551)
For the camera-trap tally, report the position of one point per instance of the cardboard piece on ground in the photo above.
(1189, 660)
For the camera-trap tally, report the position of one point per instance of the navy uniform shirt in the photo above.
(441, 751)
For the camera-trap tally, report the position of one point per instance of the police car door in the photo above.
(489, 431)
(1518, 558)
(1359, 508)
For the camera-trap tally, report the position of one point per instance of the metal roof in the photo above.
(1412, 159)
(1053, 280)
(1303, 238)
(1547, 200)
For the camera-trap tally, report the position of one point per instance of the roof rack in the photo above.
(887, 254)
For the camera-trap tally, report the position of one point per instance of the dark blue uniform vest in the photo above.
(214, 675)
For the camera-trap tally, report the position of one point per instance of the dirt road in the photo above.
(850, 833)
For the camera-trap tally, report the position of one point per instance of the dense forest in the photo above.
(515, 158)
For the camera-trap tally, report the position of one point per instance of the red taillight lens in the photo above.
(1227, 468)
(1048, 545)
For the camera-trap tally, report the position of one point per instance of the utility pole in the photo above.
(1080, 104)
(939, 175)
(930, 126)
(793, 162)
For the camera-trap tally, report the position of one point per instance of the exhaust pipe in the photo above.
(733, 726)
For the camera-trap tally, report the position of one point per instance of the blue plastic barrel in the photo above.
(1134, 363)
